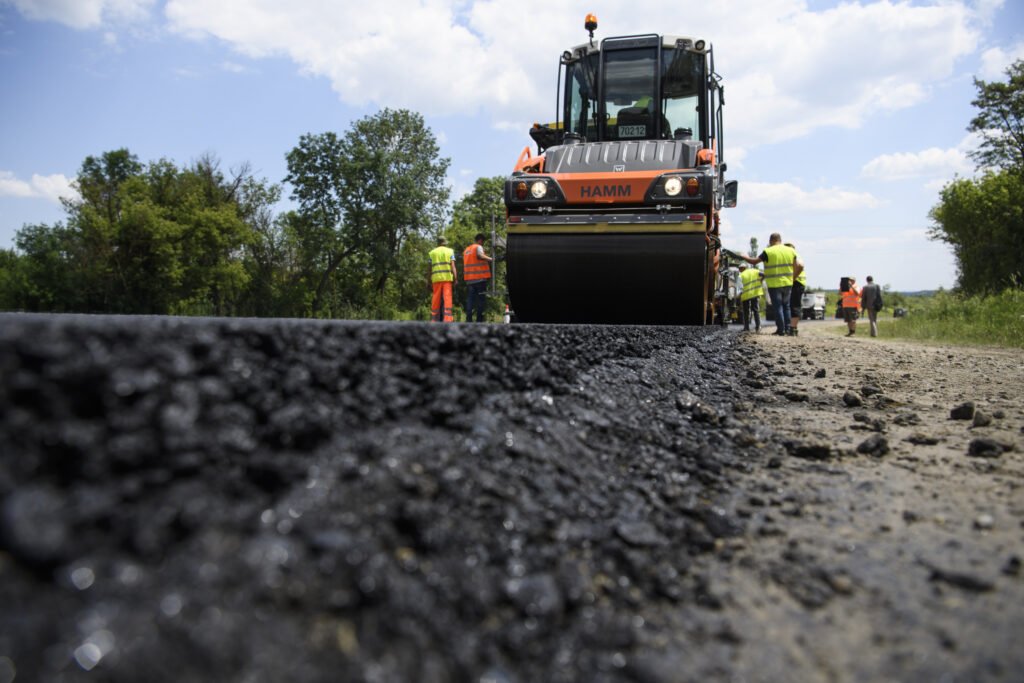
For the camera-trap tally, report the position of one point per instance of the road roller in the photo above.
(615, 217)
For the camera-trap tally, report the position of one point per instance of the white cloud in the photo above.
(761, 196)
(929, 163)
(837, 67)
(788, 69)
(82, 14)
(49, 187)
(232, 67)
(10, 186)
(995, 60)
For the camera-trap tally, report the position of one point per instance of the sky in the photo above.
(843, 120)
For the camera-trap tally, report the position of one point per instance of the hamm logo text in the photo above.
(591, 191)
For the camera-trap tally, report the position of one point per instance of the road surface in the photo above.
(250, 500)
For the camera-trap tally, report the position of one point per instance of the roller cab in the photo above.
(615, 218)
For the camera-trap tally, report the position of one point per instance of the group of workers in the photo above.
(476, 272)
(786, 281)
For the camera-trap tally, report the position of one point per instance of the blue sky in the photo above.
(843, 119)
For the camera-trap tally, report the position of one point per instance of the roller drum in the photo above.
(653, 279)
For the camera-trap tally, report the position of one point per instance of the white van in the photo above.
(812, 306)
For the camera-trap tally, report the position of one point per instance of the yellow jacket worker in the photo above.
(442, 275)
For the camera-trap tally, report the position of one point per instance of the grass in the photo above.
(990, 320)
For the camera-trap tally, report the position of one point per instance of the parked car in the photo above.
(812, 306)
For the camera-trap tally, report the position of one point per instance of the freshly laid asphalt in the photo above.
(276, 500)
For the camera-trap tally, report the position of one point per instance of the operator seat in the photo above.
(642, 114)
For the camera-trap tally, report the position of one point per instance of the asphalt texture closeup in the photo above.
(242, 500)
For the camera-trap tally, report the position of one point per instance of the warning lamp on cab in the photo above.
(590, 23)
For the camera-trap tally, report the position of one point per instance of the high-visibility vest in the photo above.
(802, 277)
(751, 281)
(778, 272)
(473, 267)
(851, 298)
(440, 264)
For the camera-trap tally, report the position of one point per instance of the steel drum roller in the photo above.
(653, 279)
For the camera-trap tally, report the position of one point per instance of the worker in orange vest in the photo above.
(442, 275)
(851, 307)
(476, 271)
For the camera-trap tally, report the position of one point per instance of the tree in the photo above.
(143, 239)
(362, 196)
(983, 219)
(11, 286)
(1000, 121)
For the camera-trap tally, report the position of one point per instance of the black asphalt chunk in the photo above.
(962, 411)
(985, 447)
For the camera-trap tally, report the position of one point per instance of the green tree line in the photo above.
(155, 238)
(982, 218)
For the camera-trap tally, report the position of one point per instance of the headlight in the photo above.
(673, 186)
(539, 189)
(692, 187)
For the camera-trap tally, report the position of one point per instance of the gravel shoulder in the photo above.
(900, 550)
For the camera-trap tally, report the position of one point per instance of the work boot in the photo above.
(796, 332)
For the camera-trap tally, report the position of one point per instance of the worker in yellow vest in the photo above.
(796, 297)
(476, 271)
(751, 280)
(851, 306)
(780, 267)
(442, 276)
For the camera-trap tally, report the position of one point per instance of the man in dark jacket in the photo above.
(871, 303)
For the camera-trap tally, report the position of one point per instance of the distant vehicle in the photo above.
(812, 306)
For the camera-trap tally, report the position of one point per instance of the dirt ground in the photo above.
(907, 524)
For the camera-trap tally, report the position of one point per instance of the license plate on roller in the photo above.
(632, 131)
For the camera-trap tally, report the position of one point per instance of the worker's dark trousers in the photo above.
(780, 304)
(476, 299)
(751, 306)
